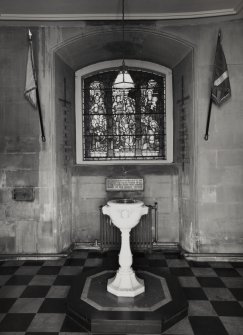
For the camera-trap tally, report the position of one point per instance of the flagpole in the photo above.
(40, 115)
(37, 90)
(208, 118)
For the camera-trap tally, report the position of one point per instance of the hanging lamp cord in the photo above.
(123, 37)
(123, 19)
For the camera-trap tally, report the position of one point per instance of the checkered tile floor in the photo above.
(32, 293)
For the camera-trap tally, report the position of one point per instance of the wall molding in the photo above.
(114, 16)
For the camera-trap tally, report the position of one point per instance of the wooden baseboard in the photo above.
(213, 257)
(86, 245)
(26, 257)
(166, 246)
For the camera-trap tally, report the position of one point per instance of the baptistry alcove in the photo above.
(80, 188)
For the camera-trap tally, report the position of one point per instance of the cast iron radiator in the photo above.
(141, 236)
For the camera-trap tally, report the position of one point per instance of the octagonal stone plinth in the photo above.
(158, 308)
(157, 294)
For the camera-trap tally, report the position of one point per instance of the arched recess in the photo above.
(135, 65)
(170, 185)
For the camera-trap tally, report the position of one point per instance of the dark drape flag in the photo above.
(220, 88)
(31, 91)
(30, 80)
(221, 84)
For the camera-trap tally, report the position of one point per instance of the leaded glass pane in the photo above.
(121, 123)
(124, 123)
(95, 125)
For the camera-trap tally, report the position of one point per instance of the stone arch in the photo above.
(106, 44)
(81, 49)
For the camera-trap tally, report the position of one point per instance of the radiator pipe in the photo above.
(156, 222)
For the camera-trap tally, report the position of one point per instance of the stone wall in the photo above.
(89, 192)
(26, 161)
(184, 144)
(215, 184)
(65, 148)
(220, 159)
(19, 148)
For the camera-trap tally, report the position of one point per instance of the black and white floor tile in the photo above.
(33, 293)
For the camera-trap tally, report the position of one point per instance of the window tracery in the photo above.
(124, 123)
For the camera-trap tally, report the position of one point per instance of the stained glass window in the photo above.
(124, 124)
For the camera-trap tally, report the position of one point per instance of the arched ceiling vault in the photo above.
(108, 45)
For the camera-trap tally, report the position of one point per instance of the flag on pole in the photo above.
(31, 91)
(221, 90)
(30, 80)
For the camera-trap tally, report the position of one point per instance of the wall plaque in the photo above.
(23, 194)
(124, 184)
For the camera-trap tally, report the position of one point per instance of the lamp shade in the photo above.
(123, 81)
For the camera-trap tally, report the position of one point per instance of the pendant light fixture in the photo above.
(123, 79)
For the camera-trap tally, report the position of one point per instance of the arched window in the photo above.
(132, 125)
